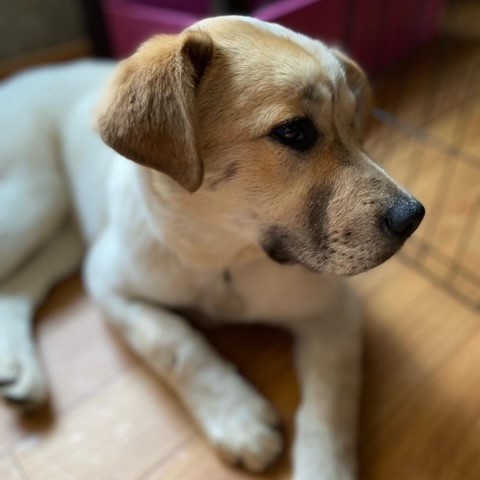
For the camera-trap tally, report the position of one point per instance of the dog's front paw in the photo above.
(22, 381)
(252, 445)
(246, 432)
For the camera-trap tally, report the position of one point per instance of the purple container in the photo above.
(377, 33)
(323, 19)
(197, 7)
(130, 22)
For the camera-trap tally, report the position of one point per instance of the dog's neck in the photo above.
(190, 226)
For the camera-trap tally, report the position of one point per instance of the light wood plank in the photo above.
(194, 460)
(120, 433)
(420, 414)
(80, 356)
(435, 432)
(405, 346)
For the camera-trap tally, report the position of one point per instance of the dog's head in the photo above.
(266, 127)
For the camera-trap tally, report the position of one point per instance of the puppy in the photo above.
(248, 188)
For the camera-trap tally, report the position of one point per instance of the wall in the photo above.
(28, 26)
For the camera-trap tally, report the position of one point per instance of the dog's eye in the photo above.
(298, 133)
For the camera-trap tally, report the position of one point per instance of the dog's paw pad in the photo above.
(5, 381)
(26, 390)
(8, 370)
(26, 400)
(254, 447)
(248, 435)
(17, 401)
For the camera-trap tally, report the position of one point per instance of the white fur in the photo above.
(133, 267)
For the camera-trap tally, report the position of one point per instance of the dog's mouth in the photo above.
(349, 246)
(326, 262)
(366, 261)
(331, 255)
(345, 237)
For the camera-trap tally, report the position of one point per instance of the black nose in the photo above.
(404, 216)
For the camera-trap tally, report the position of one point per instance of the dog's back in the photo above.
(47, 91)
(35, 115)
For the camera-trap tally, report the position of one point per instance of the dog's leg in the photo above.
(21, 376)
(328, 362)
(33, 201)
(237, 420)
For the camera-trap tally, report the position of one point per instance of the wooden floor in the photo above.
(420, 416)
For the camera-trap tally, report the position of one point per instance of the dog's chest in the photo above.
(257, 290)
(214, 293)
(219, 298)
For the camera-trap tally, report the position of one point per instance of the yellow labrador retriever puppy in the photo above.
(248, 189)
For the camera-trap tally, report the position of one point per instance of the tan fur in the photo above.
(239, 100)
(358, 83)
(150, 116)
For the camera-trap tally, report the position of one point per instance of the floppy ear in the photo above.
(357, 82)
(149, 115)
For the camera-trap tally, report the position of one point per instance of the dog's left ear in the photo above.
(358, 83)
(149, 114)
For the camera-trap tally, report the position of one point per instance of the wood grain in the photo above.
(111, 418)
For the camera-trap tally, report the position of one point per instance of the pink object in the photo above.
(129, 23)
(323, 19)
(376, 32)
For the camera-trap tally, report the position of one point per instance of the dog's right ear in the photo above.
(358, 83)
(149, 114)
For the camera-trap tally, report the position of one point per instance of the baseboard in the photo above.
(60, 53)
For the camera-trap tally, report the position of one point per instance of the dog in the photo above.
(220, 171)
